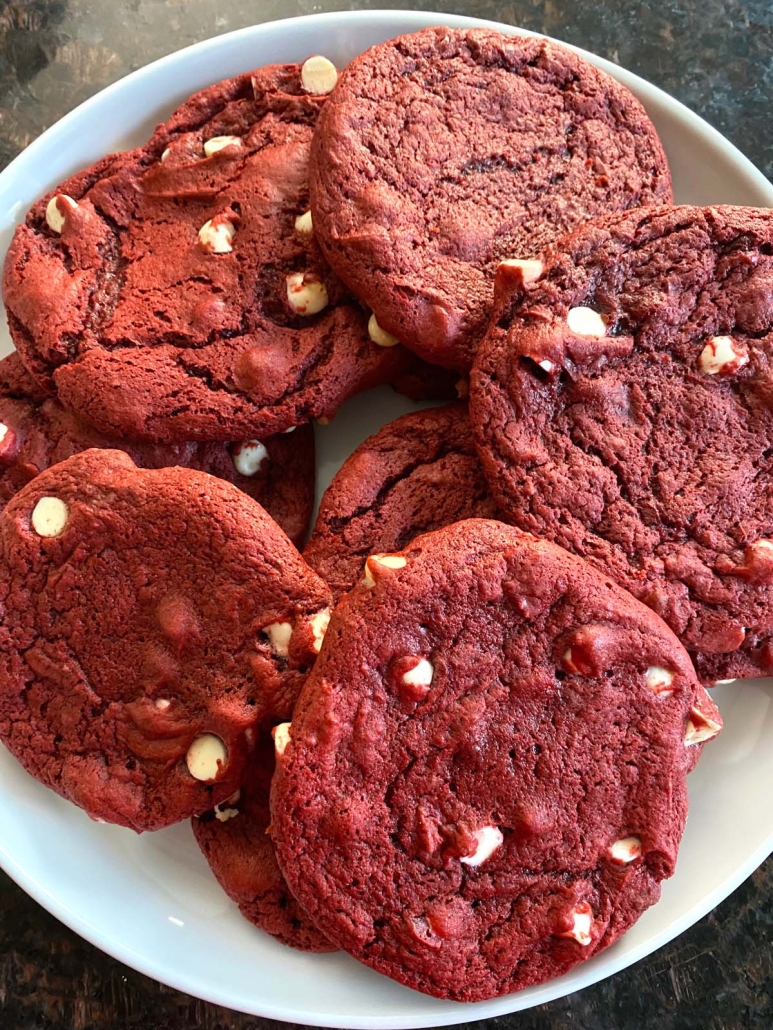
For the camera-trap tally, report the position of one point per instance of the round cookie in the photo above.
(484, 781)
(418, 473)
(443, 152)
(234, 840)
(151, 619)
(37, 432)
(176, 292)
(621, 403)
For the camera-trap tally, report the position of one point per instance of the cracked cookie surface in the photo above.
(38, 432)
(442, 152)
(484, 781)
(152, 618)
(418, 473)
(175, 292)
(622, 403)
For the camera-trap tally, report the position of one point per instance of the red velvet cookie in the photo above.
(622, 407)
(484, 782)
(443, 152)
(151, 618)
(37, 432)
(418, 473)
(234, 839)
(176, 292)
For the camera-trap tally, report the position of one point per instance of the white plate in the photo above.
(151, 900)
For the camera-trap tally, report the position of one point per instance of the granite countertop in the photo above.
(714, 55)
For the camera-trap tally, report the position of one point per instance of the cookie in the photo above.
(418, 473)
(152, 618)
(38, 432)
(443, 152)
(177, 293)
(621, 402)
(234, 840)
(484, 781)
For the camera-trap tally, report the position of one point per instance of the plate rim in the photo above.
(582, 976)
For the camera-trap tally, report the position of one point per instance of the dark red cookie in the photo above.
(622, 404)
(485, 777)
(443, 152)
(172, 295)
(234, 839)
(150, 619)
(38, 432)
(418, 473)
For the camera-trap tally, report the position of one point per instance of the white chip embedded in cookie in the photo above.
(489, 839)
(380, 336)
(206, 757)
(49, 516)
(306, 293)
(376, 562)
(57, 210)
(318, 75)
(586, 322)
(218, 143)
(217, 235)
(249, 457)
(304, 223)
(723, 355)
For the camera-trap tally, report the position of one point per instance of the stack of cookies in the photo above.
(485, 675)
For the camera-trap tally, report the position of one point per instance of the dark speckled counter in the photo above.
(714, 55)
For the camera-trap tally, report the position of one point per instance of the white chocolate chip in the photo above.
(281, 735)
(546, 365)
(380, 336)
(165, 155)
(217, 143)
(307, 295)
(723, 683)
(162, 704)
(388, 561)
(248, 458)
(217, 237)
(225, 810)
(206, 757)
(291, 429)
(582, 921)
(49, 516)
(3, 431)
(586, 322)
(56, 210)
(319, 624)
(303, 222)
(699, 728)
(659, 681)
(530, 269)
(722, 355)
(568, 661)
(420, 675)
(489, 839)
(279, 634)
(318, 75)
(626, 850)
